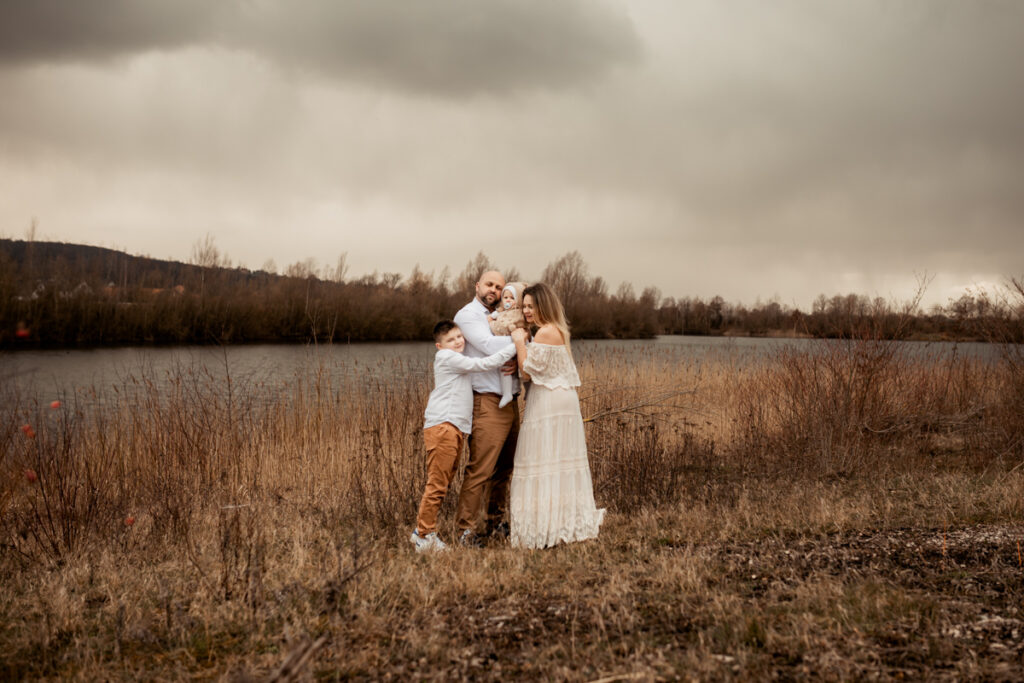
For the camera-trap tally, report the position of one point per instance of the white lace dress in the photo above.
(552, 494)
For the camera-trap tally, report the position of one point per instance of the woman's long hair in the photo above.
(547, 310)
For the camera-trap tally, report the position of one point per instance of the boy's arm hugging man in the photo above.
(461, 363)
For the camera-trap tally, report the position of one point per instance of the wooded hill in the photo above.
(65, 295)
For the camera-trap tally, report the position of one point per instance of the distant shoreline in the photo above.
(727, 334)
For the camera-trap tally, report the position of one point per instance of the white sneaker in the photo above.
(429, 543)
(505, 400)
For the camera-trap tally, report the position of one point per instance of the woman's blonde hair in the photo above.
(548, 310)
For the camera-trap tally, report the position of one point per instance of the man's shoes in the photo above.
(469, 539)
(499, 531)
(427, 544)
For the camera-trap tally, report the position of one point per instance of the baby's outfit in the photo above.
(502, 322)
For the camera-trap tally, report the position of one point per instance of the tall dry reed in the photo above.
(850, 406)
(343, 444)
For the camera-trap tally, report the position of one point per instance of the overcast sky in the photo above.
(737, 147)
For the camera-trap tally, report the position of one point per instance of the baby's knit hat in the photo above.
(517, 290)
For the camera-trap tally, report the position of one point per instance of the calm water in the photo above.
(45, 375)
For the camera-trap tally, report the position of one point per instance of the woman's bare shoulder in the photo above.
(549, 334)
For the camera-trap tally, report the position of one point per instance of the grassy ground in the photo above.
(847, 514)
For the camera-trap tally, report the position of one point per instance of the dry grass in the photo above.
(851, 512)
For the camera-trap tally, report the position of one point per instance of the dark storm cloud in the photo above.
(455, 45)
(446, 47)
(46, 31)
(836, 125)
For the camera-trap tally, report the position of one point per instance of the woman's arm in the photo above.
(519, 337)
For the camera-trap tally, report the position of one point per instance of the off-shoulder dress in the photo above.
(552, 493)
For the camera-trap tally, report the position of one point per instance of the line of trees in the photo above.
(63, 295)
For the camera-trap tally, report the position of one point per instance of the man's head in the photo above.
(488, 288)
(447, 335)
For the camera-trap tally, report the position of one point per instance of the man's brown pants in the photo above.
(492, 449)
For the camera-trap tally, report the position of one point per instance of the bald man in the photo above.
(492, 442)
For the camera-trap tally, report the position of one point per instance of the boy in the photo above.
(447, 420)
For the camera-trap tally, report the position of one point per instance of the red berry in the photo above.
(31, 476)
(29, 432)
(55, 404)
(21, 333)
(128, 521)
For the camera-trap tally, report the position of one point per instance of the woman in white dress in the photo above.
(552, 494)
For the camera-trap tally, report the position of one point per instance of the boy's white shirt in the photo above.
(452, 397)
(481, 342)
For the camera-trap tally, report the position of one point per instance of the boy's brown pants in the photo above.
(443, 443)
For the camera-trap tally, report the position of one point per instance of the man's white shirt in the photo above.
(452, 397)
(481, 342)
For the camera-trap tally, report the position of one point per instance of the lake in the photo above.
(46, 375)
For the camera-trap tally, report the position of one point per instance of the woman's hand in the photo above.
(520, 336)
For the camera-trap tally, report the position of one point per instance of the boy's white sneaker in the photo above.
(429, 543)
(505, 400)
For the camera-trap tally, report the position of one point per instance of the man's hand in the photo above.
(509, 368)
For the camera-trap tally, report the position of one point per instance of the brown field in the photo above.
(847, 513)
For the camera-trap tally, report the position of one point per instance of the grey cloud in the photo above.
(450, 47)
(47, 31)
(910, 131)
(446, 47)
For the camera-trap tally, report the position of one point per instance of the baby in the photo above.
(508, 317)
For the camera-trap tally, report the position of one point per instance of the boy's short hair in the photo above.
(443, 328)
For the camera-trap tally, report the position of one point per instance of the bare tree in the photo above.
(443, 282)
(391, 280)
(205, 254)
(568, 277)
(340, 271)
(305, 269)
(477, 266)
